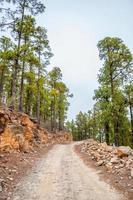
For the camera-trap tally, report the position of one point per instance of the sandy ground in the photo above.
(62, 175)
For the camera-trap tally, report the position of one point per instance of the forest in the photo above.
(47, 145)
(27, 85)
(111, 118)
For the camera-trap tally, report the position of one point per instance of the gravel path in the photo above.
(61, 175)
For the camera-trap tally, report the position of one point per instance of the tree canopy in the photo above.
(111, 118)
(26, 84)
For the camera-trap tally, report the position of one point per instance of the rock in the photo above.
(93, 158)
(25, 121)
(117, 167)
(109, 167)
(97, 156)
(28, 134)
(121, 165)
(18, 132)
(26, 147)
(117, 160)
(8, 140)
(104, 145)
(114, 160)
(100, 163)
(10, 178)
(1, 184)
(132, 172)
(123, 151)
(1, 189)
(109, 149)
(1, 156)
(34, 120)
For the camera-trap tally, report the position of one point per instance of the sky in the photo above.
(74, 29)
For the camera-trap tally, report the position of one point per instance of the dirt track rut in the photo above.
(62, 175)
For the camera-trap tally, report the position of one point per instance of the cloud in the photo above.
(74, 53)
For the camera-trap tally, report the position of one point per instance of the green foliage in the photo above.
(25, 83)
(111, 118)
(59, 93)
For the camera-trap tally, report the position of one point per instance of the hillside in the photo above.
(22, 142)
(19, 132)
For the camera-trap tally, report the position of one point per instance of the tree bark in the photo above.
(22, 84)
(38, 92)
(16, 63)
(117, 134)
(52, 116)
(106, 126)
(1, 85)
(131, 116)
(114, 120)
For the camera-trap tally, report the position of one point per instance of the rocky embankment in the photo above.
(22, 142)
(116, 163)
(19, 132)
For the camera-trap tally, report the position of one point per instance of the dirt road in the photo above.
(61, 175)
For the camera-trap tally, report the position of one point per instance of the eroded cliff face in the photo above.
(19, 132)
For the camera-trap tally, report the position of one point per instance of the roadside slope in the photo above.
(114, 164)
(22, 142)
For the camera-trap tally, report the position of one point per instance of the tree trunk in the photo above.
(117, 133)
(61, 124)
(60, 121)
(29, 96)
(1, 85)
(21, 89)
(28, 103)
(131, 115)
(22, 84)
(52, 116)
(16, 64)
(13, 89)
(115, 123)
(106, 126)
(38, 92)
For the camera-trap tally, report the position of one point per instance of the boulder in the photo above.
(4, 120)
(42, 136)
(25, 121)
(114, 160)
(132, 172)
(97, 156)
(117, 160)
(109, 167)
(26, 147)
(104, 145)
(19, 132)
(8, 140)
(123, 151)
(1, 189)
(28, 134)
(100, 163)
(16, 138)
